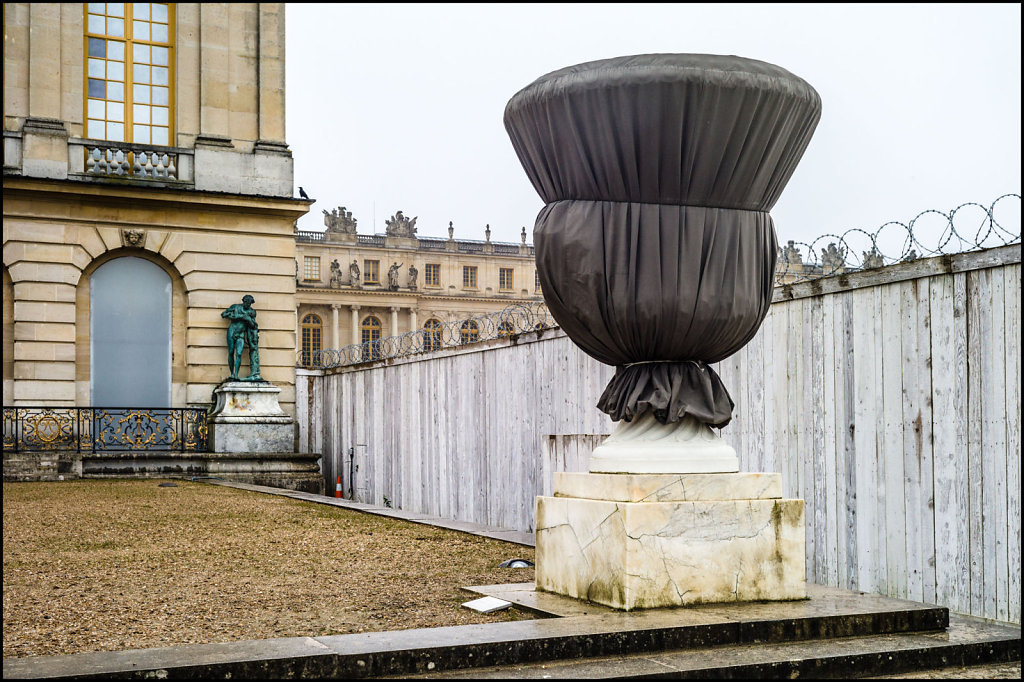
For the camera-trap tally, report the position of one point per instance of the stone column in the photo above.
(394, 320)
(355, 324)
(44, 137)
(413, 323)
(271, 73)
(336, 338)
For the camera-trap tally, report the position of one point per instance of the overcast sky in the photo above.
(400, 106)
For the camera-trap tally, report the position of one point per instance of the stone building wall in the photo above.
(220, 223)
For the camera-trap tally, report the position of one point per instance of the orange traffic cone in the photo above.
(337, 488)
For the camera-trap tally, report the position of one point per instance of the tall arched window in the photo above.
(370, 337)
(505, 329)
(469, 332)
(312, 335)
(130, 334)
(431, 335)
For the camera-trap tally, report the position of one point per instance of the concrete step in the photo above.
(834, 632)
(967, 642)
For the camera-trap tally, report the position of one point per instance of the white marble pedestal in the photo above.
(632, 541)
(248, 418)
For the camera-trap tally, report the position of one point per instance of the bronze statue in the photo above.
(243, 331)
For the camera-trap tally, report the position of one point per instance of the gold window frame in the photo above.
(129, 80)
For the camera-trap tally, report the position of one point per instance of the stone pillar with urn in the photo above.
(655, 253)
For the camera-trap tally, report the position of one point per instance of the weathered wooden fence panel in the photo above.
(889, 400)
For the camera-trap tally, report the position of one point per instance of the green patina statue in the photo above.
(243, 331)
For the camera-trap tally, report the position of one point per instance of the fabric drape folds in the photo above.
(655, 245)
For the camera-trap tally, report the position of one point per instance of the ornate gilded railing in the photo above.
(104, 429)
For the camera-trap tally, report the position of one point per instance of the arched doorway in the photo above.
(130, 334)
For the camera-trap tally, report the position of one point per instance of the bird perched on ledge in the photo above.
(302, 193)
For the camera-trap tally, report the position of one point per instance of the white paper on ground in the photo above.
(487, 604)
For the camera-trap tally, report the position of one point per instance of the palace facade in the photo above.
(358, 288)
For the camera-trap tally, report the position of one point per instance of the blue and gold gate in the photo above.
(104, 429)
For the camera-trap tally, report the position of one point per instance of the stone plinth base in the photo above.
(248, 418)
(651, 540)
(252, 437)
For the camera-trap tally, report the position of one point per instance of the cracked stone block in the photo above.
(632, 555)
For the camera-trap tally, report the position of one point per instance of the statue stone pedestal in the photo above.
(633, 541)
(248, 418)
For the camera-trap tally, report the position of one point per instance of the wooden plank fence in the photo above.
(888, 399)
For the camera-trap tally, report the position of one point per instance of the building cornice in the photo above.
(163, 197)
(397, 297)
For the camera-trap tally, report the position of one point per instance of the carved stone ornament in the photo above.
(340, 220)
(400, 226)
(134, 238)
(833, 259)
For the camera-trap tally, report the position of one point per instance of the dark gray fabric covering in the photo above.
(655, 245)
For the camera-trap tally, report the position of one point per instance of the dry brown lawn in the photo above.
(108, 565)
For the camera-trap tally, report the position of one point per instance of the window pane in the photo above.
(140, 30)
(160, 33)
(130, 367)
(140, 10)
(115, 9)
(96, 7)
(97, 47)
(115, 132)
(115, 50)
(140, 93)
(96, 24)
(160, 56)
(97, 88)
(96, 68)
(161, 96)
(160, 136)
(96, 130)
(96, 109)
(160, 75)
(140, 73)
(160, 116)
(160, 12)
(115, 27)
(140, 53)
(115, 71)
(140, 134)
(140, 113)
(115, 111)
(115, 91)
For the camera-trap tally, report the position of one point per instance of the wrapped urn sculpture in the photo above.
(655, 249)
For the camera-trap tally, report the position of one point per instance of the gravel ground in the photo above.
(109, 565)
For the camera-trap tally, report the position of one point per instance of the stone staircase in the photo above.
(832, 634)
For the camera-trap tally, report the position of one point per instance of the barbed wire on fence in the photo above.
(435, 335)
(838, 255)
(857, 249)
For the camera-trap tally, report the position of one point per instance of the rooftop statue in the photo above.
(400, 226)
(243, 331)
(340, 220)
